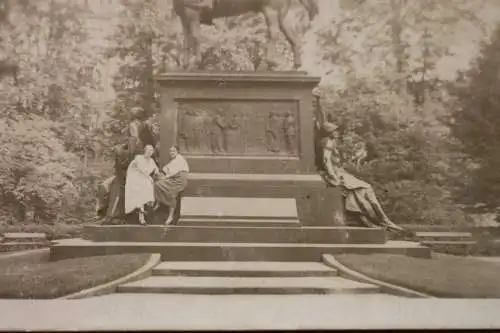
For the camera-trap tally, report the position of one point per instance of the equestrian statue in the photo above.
(194, 13)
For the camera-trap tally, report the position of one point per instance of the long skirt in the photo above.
(167, 189)
(103, 192)
(116, 202)
(356, 194)
(139, 190)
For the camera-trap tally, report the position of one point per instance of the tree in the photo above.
(409, 162)
(477, 122)
(45, 112)
(400, 39)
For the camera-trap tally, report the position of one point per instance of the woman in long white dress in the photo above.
(139, 186)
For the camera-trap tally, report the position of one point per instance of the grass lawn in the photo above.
(33, 276)
(441, 276)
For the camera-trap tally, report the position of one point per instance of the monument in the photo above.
(247, 135)
(254, 192)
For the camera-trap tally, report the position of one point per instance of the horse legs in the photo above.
(272, 21)
(186, 56)
(191, 30)
(195, 38)
(291, 37)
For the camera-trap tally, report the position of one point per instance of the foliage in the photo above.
(47, 112)
(477, 123)
(379, 60)
(36, 171)
(408, 161)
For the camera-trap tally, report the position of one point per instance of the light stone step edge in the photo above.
(110, 287)
(388, 288)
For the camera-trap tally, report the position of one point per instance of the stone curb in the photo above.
(392, 289)
(110, 287)
(22, 253)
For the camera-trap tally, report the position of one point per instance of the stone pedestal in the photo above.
(253, 192)
(247, 135)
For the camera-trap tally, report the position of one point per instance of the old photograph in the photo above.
(249, 164)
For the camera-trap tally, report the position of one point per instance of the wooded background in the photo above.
(416, 80)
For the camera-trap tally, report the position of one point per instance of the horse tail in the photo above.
(311, 7)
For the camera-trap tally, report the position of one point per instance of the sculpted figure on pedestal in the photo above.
(273, 132)
(193, 13)
(217, 126)
(290, 132)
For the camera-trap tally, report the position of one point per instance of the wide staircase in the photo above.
(234, 229)
(238, 246)
(246, 277)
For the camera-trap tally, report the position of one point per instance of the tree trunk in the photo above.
(397, 42)
(149, 89)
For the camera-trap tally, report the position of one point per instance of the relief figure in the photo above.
(189, 134)
(290, 132)
(232, 137)
(217, 126)
(273, 131)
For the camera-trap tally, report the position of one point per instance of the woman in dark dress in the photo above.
(111, 195)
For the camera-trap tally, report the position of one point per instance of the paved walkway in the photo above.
(193, 312)
(495, 260)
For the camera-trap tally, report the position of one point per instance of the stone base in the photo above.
(317, 205)
(195, 234)
(171, 251)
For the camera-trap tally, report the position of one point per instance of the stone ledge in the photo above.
(231, 251)
(238, 234)
(267, 78)
(252, 177)
(248, 208)
(248, 285)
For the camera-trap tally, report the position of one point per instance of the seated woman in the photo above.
(171, 181)
(139, 185)
(360, 199)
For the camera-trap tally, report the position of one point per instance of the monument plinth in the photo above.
(240, 122)
(247, 135)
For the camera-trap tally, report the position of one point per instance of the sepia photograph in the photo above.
(205, 165)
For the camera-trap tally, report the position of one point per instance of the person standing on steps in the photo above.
(171, 181)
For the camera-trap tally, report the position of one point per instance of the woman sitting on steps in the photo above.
(171, 182)
(139, 186)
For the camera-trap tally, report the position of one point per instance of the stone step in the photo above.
(172, 251)
(22, 246)
(443, 236)
(247, 285)
(23, 237)
(462, 248)
(251, 184)
(235, 208)
(243, 269)
(316, 235)
(231, 222)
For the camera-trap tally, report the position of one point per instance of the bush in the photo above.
(39, 180)
(409, 159)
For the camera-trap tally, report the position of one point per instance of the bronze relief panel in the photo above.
(238, 127)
